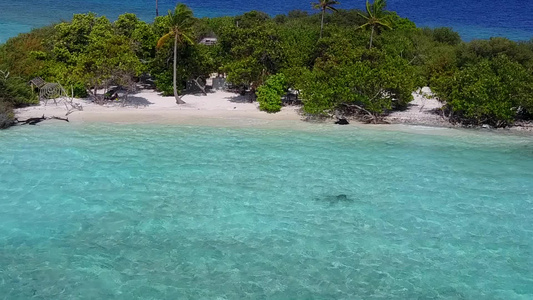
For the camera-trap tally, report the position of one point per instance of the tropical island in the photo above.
(202, 161)
(348, 64)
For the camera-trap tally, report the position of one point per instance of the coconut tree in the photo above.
(376, 17)
(323, 6)
(180, 28)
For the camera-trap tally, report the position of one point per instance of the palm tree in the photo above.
(180, 28)
(324, 5)
(156, 9)
(376, 17)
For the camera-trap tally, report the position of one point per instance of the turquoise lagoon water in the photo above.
(176, 212)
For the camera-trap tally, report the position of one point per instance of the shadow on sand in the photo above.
(247, 98)
(134, 101)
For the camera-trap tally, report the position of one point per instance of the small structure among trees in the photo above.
(37, 83)
(48, 90)
(54, 91)
(208, 41)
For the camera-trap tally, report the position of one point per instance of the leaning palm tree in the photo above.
(180, 28)
(324, 5)
(376, 17)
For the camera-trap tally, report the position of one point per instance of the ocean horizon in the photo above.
(480, 19)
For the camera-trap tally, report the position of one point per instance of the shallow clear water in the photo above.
(472, 19)
(175, 212)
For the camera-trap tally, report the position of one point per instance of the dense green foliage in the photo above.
(376, 18)
(368, 80)
(270, 93)
(486, 82)
(14, 92)
(363, 62)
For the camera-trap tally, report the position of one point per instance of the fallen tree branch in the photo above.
(201, 87)
(58, 118)
(371, 115)
(32, 121)
(35, 121)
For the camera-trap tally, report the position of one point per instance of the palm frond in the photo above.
(180, 23)
(384, 23)
(164, 39)
(325, 4)
(368, 8)
(379, 5)
(364, 16)
(186, 38)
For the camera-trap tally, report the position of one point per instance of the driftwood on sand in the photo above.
(34, 121)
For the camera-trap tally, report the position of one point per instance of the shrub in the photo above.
(163, 83)
(446, 35)
(269, 94)
(493, 91)
(16, 92)
(6, 115)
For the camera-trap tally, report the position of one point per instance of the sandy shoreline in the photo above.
(222, 108)
(148, 106)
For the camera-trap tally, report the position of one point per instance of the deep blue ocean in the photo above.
(472, 19)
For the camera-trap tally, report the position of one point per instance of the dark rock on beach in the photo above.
(342, 122)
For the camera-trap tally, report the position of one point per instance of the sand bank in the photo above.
(148, 106)
(223, 108)
(423, 110)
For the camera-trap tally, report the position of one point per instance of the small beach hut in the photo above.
(48, 90)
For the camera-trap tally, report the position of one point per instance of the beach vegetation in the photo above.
(269, 94)
(251, 50)
(324, 6)
(7, 116)
(93, 52)
(376, 18)
(493, 91)
(338, 68)
(483, 81)
(179, 23)
(364, 82)
(14, 92)
(445, 35)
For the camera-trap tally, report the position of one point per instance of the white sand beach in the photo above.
(220, 108)
(148, 106)
(216, 108)
(421, 111)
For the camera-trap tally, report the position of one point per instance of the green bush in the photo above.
(269, 94)
(6, 115)
(492, 91)
(370, 81)
(16, 92)
(446, 35)
(79, 90)
(163, 83)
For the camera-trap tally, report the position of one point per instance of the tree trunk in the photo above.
(178, 98)
(156, 9)
(371, 36)
(201, 87)
(322, 22)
